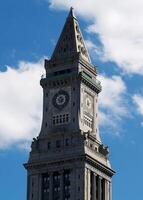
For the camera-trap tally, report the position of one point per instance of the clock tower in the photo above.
(68, 160)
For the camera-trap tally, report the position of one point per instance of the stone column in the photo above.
(61, 184)
(99, 188)
(88, 184)
(72, 179)
(51, 185)
(106, 190)
(94, 186)
(110, 191)
(40, 187)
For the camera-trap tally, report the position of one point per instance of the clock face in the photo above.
(60, 99)
(88, 101)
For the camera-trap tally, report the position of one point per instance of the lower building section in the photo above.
(76, 182)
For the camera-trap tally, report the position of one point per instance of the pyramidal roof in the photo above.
(71, 40)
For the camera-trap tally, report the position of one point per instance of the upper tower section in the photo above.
(71, 41)
(70, 86)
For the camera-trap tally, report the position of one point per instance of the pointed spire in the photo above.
(71, 40)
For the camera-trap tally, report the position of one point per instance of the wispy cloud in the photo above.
(138, 101)
(119, 27)
(96, 52)
(113, 102)
(20, 103)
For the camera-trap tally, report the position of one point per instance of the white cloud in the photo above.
(112, 102)
(119, 26)
(20, 103)
(138, 100)
(95, 51)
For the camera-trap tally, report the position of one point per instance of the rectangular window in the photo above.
(58, 143)
(67, 142)
(49, 145)
(45, 186)
(67, 117)
(54, 120)
(60, 119)
(64, 118)
(56, 185)
(67, 184)
(88, 121)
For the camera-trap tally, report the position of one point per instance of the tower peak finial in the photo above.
(71, 13)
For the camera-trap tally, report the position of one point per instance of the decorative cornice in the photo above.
(108, 171)
(93, 84)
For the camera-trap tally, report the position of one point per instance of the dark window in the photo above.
(49, 145)
(54, 84)
(63, 118)
(54, 120)
(67, 184)
(67, 142)
(68, 70)
(45, 186)
(58, 143)
(56, 186)
(60, 118)
(62, 72)
(57, 119)
(55, 73)
(32, 183)
(67, 117)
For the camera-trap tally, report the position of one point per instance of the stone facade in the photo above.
(68, 160)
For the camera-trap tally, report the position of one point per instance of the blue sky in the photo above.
(113, 33)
